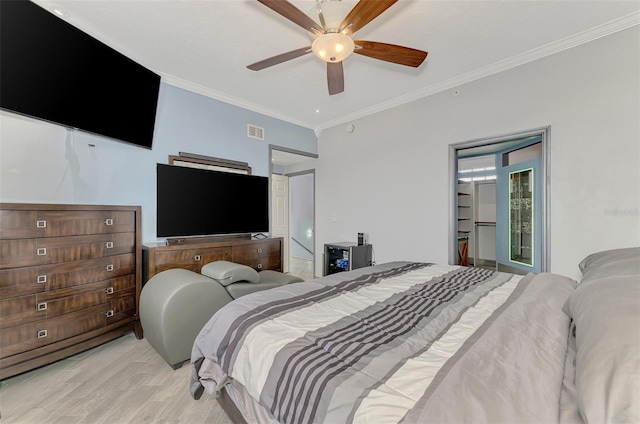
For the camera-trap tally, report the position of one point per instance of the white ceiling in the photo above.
(205, 46)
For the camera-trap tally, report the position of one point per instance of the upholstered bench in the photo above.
(240, 280)
(175, 304)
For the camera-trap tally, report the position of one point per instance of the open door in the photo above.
(521, 198)
(293, 208)
(519, 208)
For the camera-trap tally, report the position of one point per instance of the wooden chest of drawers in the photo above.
(70, 279)
(258, 254)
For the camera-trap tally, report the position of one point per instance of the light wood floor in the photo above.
(301, 267)
(123, 381)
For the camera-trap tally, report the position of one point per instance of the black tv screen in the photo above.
(53, 71)
(198, 202)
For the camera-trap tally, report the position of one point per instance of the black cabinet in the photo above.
(345, 256)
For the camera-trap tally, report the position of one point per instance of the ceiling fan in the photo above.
(333, 42)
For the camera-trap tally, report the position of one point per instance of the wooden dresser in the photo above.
(258, 254)
(70, 279)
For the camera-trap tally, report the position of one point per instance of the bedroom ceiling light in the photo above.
(332, 34)
(332, 46)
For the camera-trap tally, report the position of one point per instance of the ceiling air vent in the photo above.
(255, 132)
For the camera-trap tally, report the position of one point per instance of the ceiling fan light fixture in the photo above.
(333, 47)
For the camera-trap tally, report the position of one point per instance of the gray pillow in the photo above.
(616, 262)
(225, 272)
(606, 313)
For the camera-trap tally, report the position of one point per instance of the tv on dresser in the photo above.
(200, 202)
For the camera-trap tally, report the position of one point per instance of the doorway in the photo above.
(293, 208)
(499, 202)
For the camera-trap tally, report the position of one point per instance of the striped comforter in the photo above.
(400, 342)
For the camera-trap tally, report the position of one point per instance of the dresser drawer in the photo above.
(40, 251)
(126, 283)
(24, 281)
(20, 224)
(32, 335)
(72, 274)
(123, 306)
(258, 255)
(192, 259)
(20, 310)
(78, 302)
(20, 282)
(30, 224)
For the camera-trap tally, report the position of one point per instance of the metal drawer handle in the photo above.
(109, 290)
(42, 334)
(109, 245)
(109, 313)
(42, 279)
(259, 249)
(259, 266)
(41, 251)
(41, 306)
(108, 221)
(109, 268)
(41, 224)
(196, 258)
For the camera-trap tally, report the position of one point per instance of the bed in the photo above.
(417, 342)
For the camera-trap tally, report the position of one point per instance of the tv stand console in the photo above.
(259, 254)
(206, 239)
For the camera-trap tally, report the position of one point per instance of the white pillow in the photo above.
(610, 263)
(606, 311)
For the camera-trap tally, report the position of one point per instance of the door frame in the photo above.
(544, 133)
(311, 172)
(304, 154)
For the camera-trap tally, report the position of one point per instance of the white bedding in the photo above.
(400, 342)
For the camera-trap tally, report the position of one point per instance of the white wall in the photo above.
(45, 163)
(390, 177)
(302, 214)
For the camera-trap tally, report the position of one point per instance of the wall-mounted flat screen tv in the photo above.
(53, 71)
(198, 202)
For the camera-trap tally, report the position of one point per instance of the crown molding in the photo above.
(198, 89)
(575, 40)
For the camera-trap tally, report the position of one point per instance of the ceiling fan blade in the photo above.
(391, 53)
(279, 59)
(292, 13)
(364, 12)
(335, 77)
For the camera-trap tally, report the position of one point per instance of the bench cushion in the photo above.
(225, 272)
(241, 288)
(278, 277)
